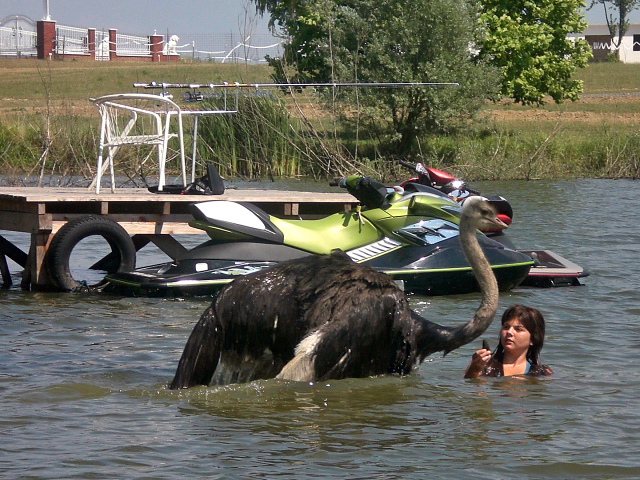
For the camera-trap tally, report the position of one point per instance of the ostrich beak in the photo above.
(499, 223)
(493, 224)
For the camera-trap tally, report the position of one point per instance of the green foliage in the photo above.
(18, 145)
(528, 40)
(506, 154)
(388, 41)
(72, 149)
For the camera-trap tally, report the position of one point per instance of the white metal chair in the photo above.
(129, 119)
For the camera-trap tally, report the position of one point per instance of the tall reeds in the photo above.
(258, 140)
(262, 139)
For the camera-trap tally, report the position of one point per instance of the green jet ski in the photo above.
(410, 233)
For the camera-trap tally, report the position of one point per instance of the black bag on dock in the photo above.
(210, 184)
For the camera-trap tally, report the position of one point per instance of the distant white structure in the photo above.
(599, 39)
(102, 51)
(170, 46)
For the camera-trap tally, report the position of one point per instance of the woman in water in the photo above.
(518, 353)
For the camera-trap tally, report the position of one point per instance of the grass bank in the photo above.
(48, 126)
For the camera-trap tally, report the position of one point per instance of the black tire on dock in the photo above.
(71, 233)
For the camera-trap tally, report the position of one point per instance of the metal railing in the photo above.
(18, 37)
(17, 42)
(132, 45)
(227, 47)
(72, 40)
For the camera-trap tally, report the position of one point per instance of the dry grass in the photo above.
(26, 84)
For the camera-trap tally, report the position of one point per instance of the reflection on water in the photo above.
(82, 380)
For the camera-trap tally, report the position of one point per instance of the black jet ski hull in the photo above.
(436, 282)
(181, 280)
(437, 270)
(143, 282)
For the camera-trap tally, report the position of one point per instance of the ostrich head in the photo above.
(477, 213)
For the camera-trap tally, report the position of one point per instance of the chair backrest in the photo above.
(127, 98)
(134, 118)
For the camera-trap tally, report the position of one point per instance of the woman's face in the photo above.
(514, 337)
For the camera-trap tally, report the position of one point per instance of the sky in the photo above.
(143, 16)
(179, 16)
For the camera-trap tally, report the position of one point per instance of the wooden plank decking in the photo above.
(42, 211)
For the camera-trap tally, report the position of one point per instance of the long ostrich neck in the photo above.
(488, 288)
(432, 337)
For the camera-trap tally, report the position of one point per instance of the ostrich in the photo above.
(325, 317)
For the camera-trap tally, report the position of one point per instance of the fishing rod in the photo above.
(152, 85)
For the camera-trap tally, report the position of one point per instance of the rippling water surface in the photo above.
(82, 380)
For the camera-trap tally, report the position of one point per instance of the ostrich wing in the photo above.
(200, 356)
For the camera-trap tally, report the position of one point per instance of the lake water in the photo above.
(82, 380)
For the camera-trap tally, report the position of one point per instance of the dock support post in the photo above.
(4, 269)
(291, 209)
(14, 253)
(34, 273)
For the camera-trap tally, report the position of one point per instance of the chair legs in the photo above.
(182, 159)
(98, 178)
(162, 152)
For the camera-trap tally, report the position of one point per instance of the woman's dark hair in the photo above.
(533, 321)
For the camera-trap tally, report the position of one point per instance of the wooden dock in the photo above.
(146, 216)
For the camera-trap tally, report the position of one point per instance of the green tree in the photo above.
(528, 40)
(618, 24)
(389, 41)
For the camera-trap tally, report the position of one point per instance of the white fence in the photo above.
(226, 47)
(18, 37)
(132, 46)
(75, 41)
(72, 40)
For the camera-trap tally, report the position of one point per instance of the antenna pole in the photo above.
(45, 10)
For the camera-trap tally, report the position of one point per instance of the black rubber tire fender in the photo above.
(71, 233)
